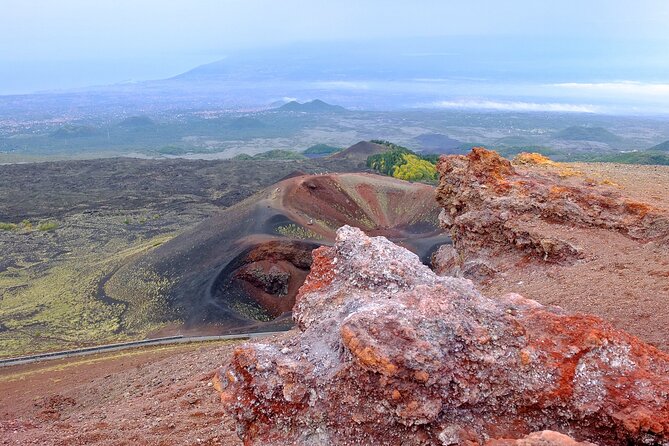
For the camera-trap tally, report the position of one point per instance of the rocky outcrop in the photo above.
(500, 213)
(389, 353)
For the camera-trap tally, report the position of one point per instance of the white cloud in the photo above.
(517, 106)
(621, 87)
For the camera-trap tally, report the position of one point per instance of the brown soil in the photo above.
(622, 280)
(153, 396)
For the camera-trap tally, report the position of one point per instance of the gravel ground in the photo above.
(156, 396)
(621, 280)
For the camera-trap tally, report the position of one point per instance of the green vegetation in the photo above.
(416, 169)
(55, 309)
(664, 147)
(7, 226)
(322, 149)
(27, 226)
(250, 309)
(404, 164)
(642, 157)
(390, 145)
(145, 293)
(296, 231)
(64, 305)
(46, 226)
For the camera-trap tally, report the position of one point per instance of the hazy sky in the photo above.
(65, 43)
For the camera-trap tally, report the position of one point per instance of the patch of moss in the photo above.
(60, 307)
(250, 310)
(7, 226)
(296, 231)
(46, 226)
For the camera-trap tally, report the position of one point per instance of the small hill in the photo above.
(136, 122)
(247, 123)
(241, 268)
(663, 147)
(360, 151)
(438, 143)
(585, 133)
(321, 150)
(315, 106)
(74, 131)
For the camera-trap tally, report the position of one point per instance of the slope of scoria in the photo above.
(164, 397)
(590, 238)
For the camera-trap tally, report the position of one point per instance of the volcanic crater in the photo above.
(241, 269)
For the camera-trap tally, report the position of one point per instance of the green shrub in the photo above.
(47, 226)
(416, 169)
(404, 164)
(7, 226)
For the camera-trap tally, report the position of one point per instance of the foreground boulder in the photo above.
(391, 354)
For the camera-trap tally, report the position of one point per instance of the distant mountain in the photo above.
(584, 133)
(360, 151)
(137, 122)
(315, 106)
(437, 143)
(321, 150)
(515, 141)
(276, 154)
(74, 131)
(663, 147)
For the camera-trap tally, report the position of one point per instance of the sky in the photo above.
(59, 44)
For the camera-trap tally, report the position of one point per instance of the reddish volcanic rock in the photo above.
(491, 207)
(544, 438)
(391, 354)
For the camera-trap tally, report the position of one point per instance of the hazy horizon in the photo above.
(596, 56)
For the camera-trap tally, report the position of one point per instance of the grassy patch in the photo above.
(7, 226)
(296, 231)
(47, 226)
(60, 308)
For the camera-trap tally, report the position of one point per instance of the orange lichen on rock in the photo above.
(365, 354)
(534, 159)
(390, 353)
